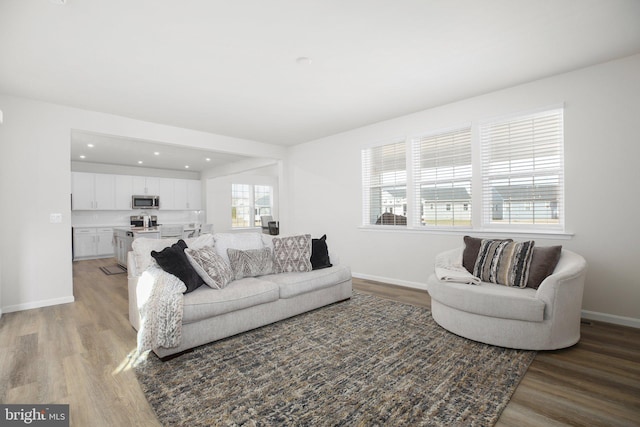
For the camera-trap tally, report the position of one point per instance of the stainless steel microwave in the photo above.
(145, 202)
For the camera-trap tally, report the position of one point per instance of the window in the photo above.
(442, 176)
(384, 178)
(249, 203)
(505, 173)
(522, 164)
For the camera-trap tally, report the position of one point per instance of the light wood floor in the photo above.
(78, 354)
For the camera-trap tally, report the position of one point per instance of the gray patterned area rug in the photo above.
(366, 361)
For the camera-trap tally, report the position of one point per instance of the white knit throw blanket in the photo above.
(449, 268)
(160, 302)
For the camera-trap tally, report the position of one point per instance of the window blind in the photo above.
(442, 178)
(522, 170)
(384, 178)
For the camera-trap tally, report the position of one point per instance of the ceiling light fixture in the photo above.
(208, 159)
(186, 166)
(90, 145)
(82, 156)
(156, 153)
(139, 162)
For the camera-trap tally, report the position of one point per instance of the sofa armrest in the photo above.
(132, 283)
(562, 291)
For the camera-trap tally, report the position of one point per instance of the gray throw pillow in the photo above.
(250, 263)
(291, 254)
(210, 266)
(543, 262)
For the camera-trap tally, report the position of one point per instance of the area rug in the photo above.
(113, 269)
(367, 361)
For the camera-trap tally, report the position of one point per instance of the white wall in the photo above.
(35, 257)
(602, 108)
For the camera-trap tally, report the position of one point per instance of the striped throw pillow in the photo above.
(504, 262)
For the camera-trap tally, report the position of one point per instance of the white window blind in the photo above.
(384, 178)
(523, 171)
(442, 178)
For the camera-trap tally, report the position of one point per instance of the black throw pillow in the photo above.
(320, 253)
(174, 261)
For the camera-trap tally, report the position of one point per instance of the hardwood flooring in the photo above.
(78, 354)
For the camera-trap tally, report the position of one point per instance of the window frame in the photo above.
(251, 205)
(476, 205)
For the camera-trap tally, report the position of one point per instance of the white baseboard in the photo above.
(611, 318)
(590, 315)
(37, 304)
(390, 281)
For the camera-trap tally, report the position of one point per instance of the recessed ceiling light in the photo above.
(82, 156)
(303, 60)
(208, 159)
(156, 153)
(139, 162)
(90, 145)
(186, 166)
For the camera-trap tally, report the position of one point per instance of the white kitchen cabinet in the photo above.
(180, 194)
(194, 195)
(123, 192)
(146, 185)
(92, 191)
(104, 242)
(166, 191)
(89, 242)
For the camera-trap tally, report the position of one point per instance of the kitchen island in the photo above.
(123, 237)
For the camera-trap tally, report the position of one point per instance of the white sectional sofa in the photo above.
(244, 304)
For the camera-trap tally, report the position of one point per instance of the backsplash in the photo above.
(121, 218)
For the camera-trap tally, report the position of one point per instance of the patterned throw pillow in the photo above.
(503, 262)
(210, 266)
(250, 263)
(292, 253)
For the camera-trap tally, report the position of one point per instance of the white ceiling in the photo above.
(229, 67)
(114, 150)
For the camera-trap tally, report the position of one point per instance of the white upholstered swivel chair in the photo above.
(547, 318)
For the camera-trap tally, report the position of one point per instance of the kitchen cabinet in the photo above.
(166, 191)
(146, 185)
(89, 242)
(123, 192)
(123, 239)
(180, 194)
(92, 191)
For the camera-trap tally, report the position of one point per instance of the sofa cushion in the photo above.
(292, 253)
(173, 260)
(320, 253)
(205, 302)
(250, 263)
(488, 299)
(543, 262)
(296, 283)
(503, 262)
(210, 266)
(241, 241)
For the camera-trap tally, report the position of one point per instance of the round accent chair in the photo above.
(546, 318)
